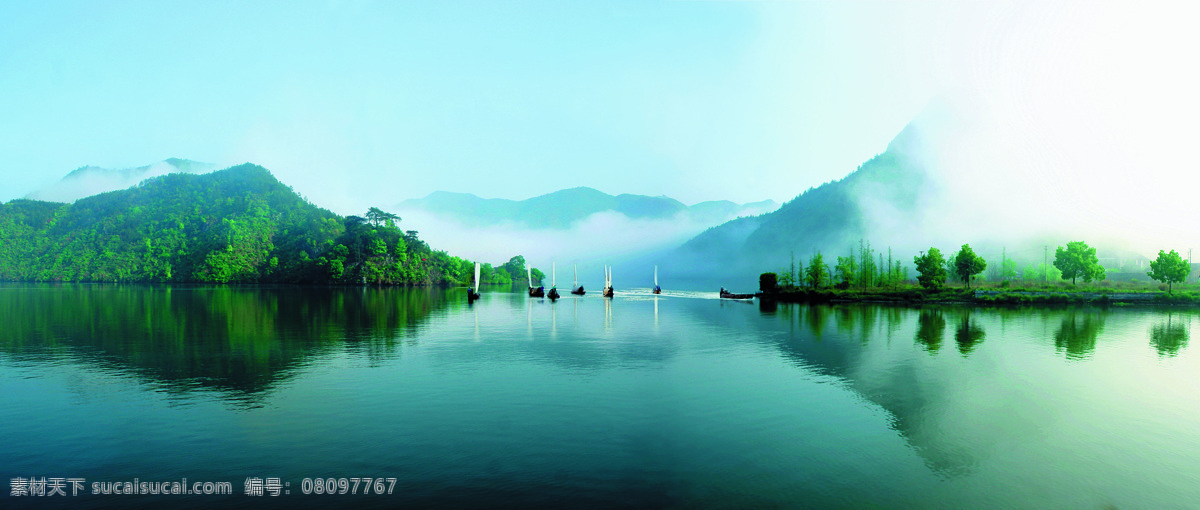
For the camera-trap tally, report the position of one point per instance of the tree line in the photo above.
(1075, 261)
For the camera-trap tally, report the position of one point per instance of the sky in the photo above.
(360, 103)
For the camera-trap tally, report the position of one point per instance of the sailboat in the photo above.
(608, 290)
(553, 294)
(538, 292)
(576, 288)
(473, 292)
(657, 289)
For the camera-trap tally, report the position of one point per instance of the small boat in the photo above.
(553, 294)
(576, 288)
(729, 295)
(608, 290)
(473, 292)
(657, 289)
(538, 292)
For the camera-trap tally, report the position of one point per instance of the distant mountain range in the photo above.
(562, 209)
(91, 180)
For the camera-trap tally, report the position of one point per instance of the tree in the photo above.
(1078, 260)
(951, 270)
(815, 274)
(932, 268)
(967, 264)
(515, 267)
(866, 265)
(791, 276)
(846, 271)
(1008, 269)
(1169, 268)
(378, 217)
(768, 282)
(1041, 273)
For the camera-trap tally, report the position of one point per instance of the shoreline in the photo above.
(912, 296)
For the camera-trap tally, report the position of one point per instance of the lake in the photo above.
(680, 400)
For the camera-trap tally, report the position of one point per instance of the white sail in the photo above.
(529, 275)
(553, 277)
(655, 276)
(576, 284)
(476, 277)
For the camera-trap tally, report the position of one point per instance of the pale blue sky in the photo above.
(369, 103)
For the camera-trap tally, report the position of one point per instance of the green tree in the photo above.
(784, 277)
(791, 276)
(1078, 260)
(515, 267)
(866, 264)
(951, 270)
(847, 271)
(1169, 268)
(1008, 269)
(967, 264)
(1042, 273)
(379, 218)
(931, 267)
(814, 275)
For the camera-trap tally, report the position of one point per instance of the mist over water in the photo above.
(606, 237)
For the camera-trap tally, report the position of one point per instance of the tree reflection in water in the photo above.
(239, 341)
(968, 334)
(931, 329)
(1169, 337)
(1078, 333)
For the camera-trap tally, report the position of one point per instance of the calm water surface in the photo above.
(680, 400)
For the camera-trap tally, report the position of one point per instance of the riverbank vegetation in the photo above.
(1075, 278)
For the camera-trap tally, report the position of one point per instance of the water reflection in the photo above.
(931, 328)
(239, 341)
(858, 321)
(894, 379)
(672, 393)
(968, 334)
(816, 316)
(768, 306)
(1077, 334)
(1170, 336)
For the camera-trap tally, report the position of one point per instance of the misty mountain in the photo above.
(562, 209)
(948, 178)
(92, 180)
(828, 217)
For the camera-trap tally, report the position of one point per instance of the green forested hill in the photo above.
(234, 225)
